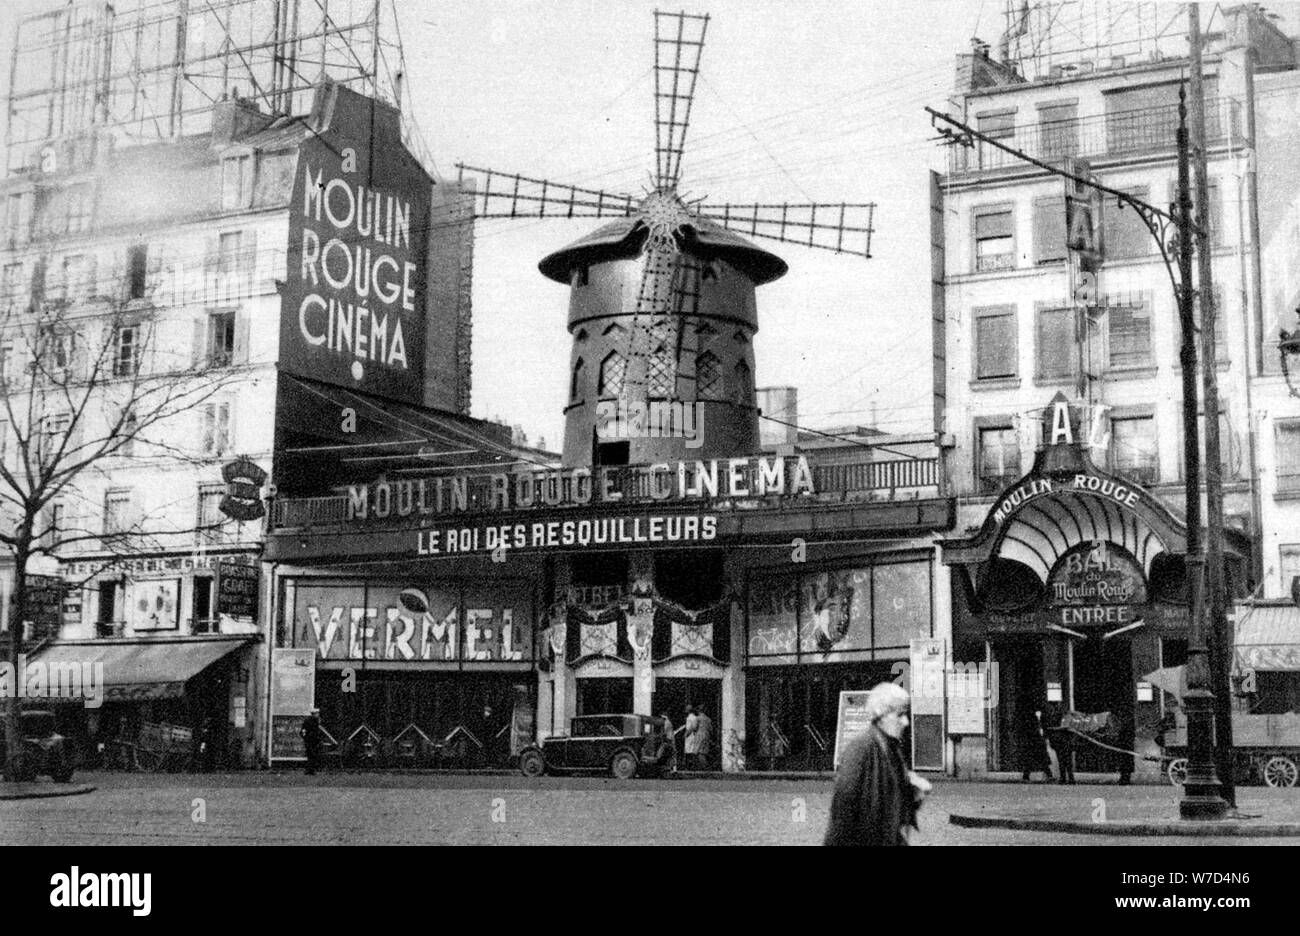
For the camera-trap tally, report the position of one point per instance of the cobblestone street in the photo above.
(355, 809)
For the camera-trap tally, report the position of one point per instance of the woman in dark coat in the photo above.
(876, 795)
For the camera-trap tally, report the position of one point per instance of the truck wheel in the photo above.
(1280, 771)
(531, 764)
(623, 766)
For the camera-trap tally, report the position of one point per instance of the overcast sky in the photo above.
(812, 101)
(820, 100)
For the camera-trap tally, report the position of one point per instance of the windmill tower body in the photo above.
(662, 364)
(662, 309)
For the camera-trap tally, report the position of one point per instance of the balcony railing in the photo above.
(1118, 134)
(884, 480)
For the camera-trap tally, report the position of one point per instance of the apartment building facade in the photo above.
(1061, 387)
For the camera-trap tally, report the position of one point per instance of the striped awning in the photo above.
(1268, 636)
(1045, 529)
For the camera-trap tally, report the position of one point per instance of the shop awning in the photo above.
(1268, 636)
(138, 670)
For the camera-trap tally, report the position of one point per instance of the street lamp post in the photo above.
(1201, 792)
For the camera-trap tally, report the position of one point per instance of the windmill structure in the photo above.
(662, 307)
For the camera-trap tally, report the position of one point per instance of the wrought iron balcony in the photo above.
(1115, 135)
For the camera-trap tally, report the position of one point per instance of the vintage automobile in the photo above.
(45, 751)
(622, 744)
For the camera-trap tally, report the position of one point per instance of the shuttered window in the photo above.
(1058, 130)
(1124, 232)
(1129, 332)
(995, 344)
(1057, 350)
(1049, 230)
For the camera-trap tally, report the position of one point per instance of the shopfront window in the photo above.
(872, 611)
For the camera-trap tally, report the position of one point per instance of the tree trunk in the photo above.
(13, 766)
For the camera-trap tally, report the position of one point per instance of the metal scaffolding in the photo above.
(154, 69)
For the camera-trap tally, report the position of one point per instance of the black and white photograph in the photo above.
(567, 423)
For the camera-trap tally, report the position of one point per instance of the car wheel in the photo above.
(531, 764)
(62, 774)
(1177, 771)
(623, 766)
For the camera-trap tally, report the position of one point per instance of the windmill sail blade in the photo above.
(679, 40)
(842, 228)
(510, 195)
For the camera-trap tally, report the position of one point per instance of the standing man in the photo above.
(705, 732)
(311, 736)
(876, 795)
(691, 741)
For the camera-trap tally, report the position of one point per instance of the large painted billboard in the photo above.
(353, 300)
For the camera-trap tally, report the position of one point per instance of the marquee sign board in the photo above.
(353, 299)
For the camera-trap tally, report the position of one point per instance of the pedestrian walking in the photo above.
(705, 731)
(311, 736)
(691, 741)
(876, 796)
(1033, 754)
(666, 757)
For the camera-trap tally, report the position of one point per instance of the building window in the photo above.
(1049, 230)
(995, 344)
(994, 243)
(1289, 553)
(127, 432)
(744, 384)
(18, 217)
(1133, 451)
(57, 350)
(612, 371)
(998, 458)
(137, 271)
(53, 429)
(1129, 331)
(210, 517)
(11, 287)
(117, 512)
(81, 203)
(659, 373)
(1287, 448)
(579, 377)
(1057, 348)
(229, 248)
(216, 427)
(221, 338)
(76, 272)
(708, 376)
(997, 126)
(53, 525)
(6, 363)
(126, 350)
(1124, 233)
(1058, 128)
(236, 182)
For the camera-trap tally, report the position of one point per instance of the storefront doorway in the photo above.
(1022, 691)
(790, 712)
(1103, 682)
(604, 696)
(672, 695)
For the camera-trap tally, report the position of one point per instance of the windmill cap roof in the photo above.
(623, 239)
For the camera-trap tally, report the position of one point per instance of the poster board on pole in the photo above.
(293, 696)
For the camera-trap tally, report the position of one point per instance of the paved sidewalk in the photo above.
(1106, 808)
(37, 790)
